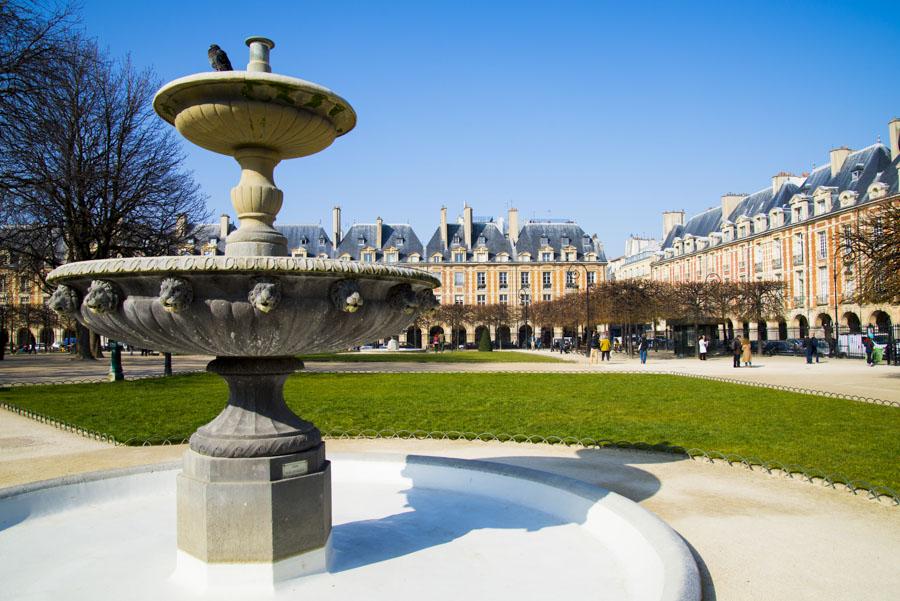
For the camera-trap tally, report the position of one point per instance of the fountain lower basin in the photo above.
(404, 527)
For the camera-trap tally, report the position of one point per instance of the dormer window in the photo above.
(457, 239)
(776, 217)
(564, 241)
(436, 258)
(482, 241)
(321, 240)
(546, 256)
(545, 241)
(799, 208)
(760, 223)
(848, 198)
(878, 190)
(857, 172)
(728, 232)
(459, 257)
(399, 242)
(586, 241)
(304, 240)
(361, 241)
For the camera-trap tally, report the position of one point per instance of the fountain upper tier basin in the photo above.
(229, 110)
(241, 306)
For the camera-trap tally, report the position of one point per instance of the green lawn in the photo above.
(429, 357)
(855, 440)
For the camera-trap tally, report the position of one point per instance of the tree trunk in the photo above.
(96, 349)
(83, 343)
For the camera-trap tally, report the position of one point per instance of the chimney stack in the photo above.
(336, 233)
(513, 226)
(730, 202)
(224, 226)
(838, 156)
(894, 136)
(467, 224)
(780, 179)
(378, 241)
(670, 220)
(444, 227)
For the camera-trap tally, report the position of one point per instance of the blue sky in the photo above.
(608, 113)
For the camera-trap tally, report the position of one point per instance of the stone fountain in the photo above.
(255, 488)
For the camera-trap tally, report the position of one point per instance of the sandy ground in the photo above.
(840, 376)
(756, 536)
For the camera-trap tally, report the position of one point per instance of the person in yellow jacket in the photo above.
(605, 346)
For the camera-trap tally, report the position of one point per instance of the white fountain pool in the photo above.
(404, 527)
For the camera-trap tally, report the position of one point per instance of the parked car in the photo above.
(794, 346)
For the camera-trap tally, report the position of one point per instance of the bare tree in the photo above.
(758, 301)
(875, 247)
(454, 316)
(91, 171)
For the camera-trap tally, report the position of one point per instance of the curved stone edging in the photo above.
(601, 512)
(228, 264)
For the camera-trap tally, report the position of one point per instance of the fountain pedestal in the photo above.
(274, 512)
(256, 487)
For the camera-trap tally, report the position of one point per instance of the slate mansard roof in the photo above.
(535, 235)
(484, 234)
(362, 235)
(312, 238)
(873, 164)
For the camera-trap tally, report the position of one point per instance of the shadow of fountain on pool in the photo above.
(437, 517)
(434, 517)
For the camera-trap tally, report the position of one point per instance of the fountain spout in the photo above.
(259, 53)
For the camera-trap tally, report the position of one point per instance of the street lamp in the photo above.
(587, 308)
(523, 300)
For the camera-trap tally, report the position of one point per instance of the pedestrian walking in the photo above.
(702, 346)
(643, 347)
(869, 345)
(595, 349)
(747, 353)
(605, 346)
(736, 349)
(814, 350)
(808, 349)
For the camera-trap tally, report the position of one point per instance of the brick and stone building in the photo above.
(793, 230)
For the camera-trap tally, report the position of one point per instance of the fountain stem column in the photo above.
(256, 487)
(257, 201)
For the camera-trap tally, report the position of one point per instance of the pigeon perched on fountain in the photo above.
(218, 60)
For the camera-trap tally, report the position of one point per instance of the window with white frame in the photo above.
(798, 246)
(592, 277)
(481, 279)
(821, 245)
(504, 279)
(459, 257)
(546, 279)
(459, 278)
(822, 284)
(524, 279)
(547, 296)
(504, 299)
(571, 279)
(480, 299)
(459, 299)
(546, 256)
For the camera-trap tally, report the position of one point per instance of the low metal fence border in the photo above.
(808, 474)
